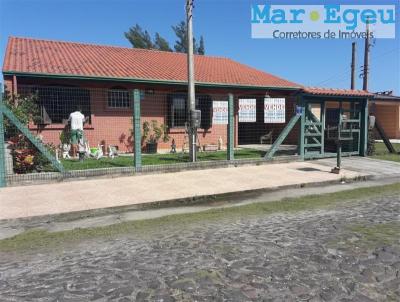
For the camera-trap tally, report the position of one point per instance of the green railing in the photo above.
(285, 132)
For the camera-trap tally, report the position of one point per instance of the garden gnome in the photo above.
(220, 143)
(173, 146)
(81, 148)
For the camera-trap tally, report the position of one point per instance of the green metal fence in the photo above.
(119, 126)
(137, 131)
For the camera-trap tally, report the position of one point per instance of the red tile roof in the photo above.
(25, 55)
(335, 92)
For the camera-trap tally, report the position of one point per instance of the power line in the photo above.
(386, 53)
(340, 75)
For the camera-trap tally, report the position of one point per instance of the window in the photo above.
(118, 98)
(204, 104)
(178, 112)
(58, 102)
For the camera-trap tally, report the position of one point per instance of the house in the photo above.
(386, 108)
(101, 80)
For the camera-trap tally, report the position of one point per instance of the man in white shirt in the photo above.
(76, 120)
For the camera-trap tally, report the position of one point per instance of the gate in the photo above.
(321, 118)
(314, 129)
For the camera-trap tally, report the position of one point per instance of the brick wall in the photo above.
(388, 116)
(110, 126)
(113, 126)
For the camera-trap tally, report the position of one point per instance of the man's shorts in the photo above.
(76, 135)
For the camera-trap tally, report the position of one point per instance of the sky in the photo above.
(225, 25)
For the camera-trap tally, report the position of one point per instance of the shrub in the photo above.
(152, 132)
(25, 109)
(26, 158)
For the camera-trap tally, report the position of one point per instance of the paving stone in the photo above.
(297, 256)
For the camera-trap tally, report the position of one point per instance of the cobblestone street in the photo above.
(329, 254)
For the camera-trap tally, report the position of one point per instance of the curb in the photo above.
(27, 223)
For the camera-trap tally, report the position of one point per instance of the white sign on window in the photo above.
(220, 113)
(247, 111)
(274, 110)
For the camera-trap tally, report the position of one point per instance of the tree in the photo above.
(138, 38)
(181, 42)
(161, 44)
(201, 49)
(147, 40)
(180, 32)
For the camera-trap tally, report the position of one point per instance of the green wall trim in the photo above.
(147, 81)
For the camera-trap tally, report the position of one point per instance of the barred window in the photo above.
(57, 102)
(118, 98)
(178, 112)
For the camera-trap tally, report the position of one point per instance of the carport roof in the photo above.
(317, 91)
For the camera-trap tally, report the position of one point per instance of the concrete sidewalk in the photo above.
(39, 200)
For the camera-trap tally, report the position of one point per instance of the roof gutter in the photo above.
(322, 96)
(147, 81)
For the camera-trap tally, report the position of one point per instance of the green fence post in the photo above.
(339, 142)
(231, 127)
(323, 109)
(302, 127)
(2, 145)
(364, 128)
(137, 131)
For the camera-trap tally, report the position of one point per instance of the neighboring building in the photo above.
(386, 108)
(101, 79)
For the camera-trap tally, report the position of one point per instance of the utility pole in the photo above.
(353, 65)
(366, 58)
(192, 131)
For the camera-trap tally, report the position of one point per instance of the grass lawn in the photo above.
(156, 159)
(381, 152)
(161, 159)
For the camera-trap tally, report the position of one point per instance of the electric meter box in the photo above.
(371, 122)
(195, 118)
